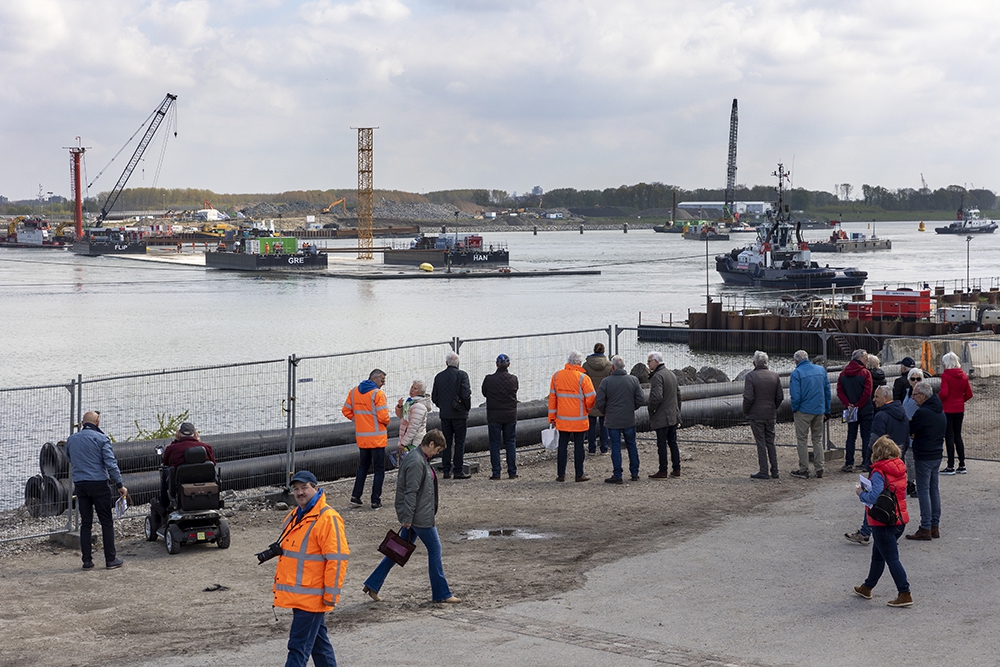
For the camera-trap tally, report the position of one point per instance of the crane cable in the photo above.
(144, 123)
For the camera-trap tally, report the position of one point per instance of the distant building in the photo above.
(742, 207)
(554, 216)
(536, 191)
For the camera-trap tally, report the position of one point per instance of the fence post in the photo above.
(293, 363)
(72, 513)
(456, 344)
(616, 332)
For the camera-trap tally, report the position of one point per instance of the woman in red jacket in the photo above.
(955, 391)
(888, 471)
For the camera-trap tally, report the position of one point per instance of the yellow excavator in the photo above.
(340, 201)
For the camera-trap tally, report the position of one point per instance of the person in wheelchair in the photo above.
(173, 456)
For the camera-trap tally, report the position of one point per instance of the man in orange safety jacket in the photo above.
(310, 571)
(367, 408)
(571, 396)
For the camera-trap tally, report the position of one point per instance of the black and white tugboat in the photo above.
(968, 221)
(780, 258)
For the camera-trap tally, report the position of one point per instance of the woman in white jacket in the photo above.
(412, 413)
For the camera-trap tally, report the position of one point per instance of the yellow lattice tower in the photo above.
(366, 193)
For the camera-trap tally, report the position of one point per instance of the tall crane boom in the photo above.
(157, 117)
(731, 170)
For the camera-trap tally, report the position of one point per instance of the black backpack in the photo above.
(885, 509)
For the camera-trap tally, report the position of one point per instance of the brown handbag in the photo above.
(396, 549)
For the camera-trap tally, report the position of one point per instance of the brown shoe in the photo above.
(902, 600)
(863, 591)
(451, 600)
(371, 593)
(935, 533)
(582, 478)
(675, 473)
(663, 474)
(561, 478)
(921, 534)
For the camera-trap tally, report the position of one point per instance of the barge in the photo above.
(278, 253)
(841, 242)
(110, 242)
(448, 251)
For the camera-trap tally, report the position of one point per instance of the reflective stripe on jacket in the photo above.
(370, 414)
(571, 396)
(311, 570)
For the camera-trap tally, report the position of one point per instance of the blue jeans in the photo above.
(505, 434)
(562, 455)
(596, 423)
(927, 492)
(370, 458)
(616, 450)
(429, 536)
(95, 496)
(306, 637)
(864, 423)
(885, 553)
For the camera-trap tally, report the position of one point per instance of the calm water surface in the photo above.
(63, 314)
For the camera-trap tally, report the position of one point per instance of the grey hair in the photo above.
(378, 372)
(760, 359)
(885, 392)
(924, 388)
(419, 384)
(915, 373)
(575, 358)
(451, 359)
(800, 355)
(872, 361)
(617, 363)
(656, 356)
(857, 355)
(951, 360)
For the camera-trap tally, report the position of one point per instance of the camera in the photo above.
(272, 551)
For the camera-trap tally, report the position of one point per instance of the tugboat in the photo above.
(780, 258)
(968, 221)
(447, 251)
(669, 228)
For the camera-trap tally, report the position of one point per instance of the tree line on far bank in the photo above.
(629, 198)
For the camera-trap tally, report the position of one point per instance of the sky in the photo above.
(500, 94)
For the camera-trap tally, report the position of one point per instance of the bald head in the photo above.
(92, 418)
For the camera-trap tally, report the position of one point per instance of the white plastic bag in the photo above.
(550, 438)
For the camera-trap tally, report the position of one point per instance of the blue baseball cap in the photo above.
(503, 360)
(908, 362)
(304, 476)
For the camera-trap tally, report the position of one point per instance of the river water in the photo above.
(64, 314)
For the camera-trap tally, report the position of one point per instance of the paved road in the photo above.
(773, 588)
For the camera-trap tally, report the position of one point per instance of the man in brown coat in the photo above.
(664, 415)
(762, 394)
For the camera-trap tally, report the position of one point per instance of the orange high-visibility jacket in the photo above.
(370, 414)
(311, 570)
(571, 396)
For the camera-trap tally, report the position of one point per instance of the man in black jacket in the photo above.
(452, 394)
(902, 383)
(500, 390)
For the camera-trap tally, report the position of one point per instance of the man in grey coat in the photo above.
(618, 397)
(664, 414)
(762, 394)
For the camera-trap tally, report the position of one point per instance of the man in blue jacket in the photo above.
(93, 466)
(810, 392)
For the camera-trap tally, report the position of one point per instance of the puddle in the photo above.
(515, 533)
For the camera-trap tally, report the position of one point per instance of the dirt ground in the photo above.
(156, 605)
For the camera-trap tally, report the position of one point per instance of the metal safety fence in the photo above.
(266, 419)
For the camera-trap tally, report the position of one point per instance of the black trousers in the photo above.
(453, 457)
(95, 496)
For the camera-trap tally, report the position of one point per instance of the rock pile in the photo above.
(707, 374)
(394, 210)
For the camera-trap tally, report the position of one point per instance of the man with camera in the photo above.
(312, 561)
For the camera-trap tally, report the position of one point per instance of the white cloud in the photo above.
(502, 94)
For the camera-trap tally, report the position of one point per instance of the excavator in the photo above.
(340, 201)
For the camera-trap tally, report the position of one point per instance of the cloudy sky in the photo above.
(503, 94)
